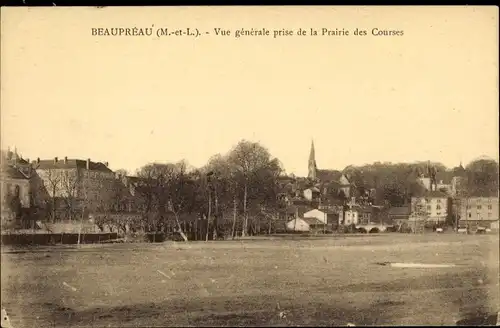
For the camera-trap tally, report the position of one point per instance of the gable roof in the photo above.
(312, 221)
(13, 173)
(71, 164)
(314, 210)
(328, 175)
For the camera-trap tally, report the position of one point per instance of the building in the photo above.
(368, 214)
(478, 212)
(399, 215)
(312, 193)
(436, 206)
(349, 217)
(305, 225)
(76, 185)
(16, 193)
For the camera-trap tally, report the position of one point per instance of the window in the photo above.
(470, 214)
(438, 207)
(490, 207)
(438, 213)
(478, 207)
(439, 200)
(468, 206)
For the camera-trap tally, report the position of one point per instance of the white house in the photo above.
(310, 193)
(316, 214)
(350, 217)
(304, 224)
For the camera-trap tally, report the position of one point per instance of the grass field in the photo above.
(315, 281)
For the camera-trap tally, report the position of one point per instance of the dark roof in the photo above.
(13, 173)
(328, 175)
(435, 194)
(312, 221)
(403, 210)
(330, 200)
(70, 164)
(364, 209)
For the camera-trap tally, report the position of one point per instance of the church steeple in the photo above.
(312, 163)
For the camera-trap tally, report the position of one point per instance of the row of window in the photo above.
(480, 207)
(489, 215)
(438, 207)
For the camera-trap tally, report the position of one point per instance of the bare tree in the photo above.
(122, 172)
(164, 191)
(52, 180)
(254, 169)
(69, 181)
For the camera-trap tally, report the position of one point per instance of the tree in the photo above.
(69, 181)
(224, 186)
(482, 178)
(254, 170)
(166, 188)
(121, 172)
(52, 180)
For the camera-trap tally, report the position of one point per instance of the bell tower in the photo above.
(312, 163)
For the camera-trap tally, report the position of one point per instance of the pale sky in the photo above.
(130, 100)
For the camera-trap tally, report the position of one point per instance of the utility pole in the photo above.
(467, 216)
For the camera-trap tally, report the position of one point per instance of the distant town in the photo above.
(245, 192)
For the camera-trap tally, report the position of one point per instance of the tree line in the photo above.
(239, 192)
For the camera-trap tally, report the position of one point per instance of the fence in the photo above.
(55, 238)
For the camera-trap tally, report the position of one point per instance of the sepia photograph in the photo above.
(249, 166)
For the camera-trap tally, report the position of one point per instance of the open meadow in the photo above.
(277, 281)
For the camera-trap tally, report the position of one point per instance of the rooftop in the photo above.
(12, 173)
(312, 221)
(67, 163)
(403, 210)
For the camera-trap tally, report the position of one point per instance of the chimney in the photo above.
(27, 160)
(65, 160)
(38, 160)
(106, 163)
(88, 163)
(55, 160)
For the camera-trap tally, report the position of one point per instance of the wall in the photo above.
(89, 189)
(436, 207)
(8, 186)
(457, 185)
(350, 217)
(316, 214)
(478, 208)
